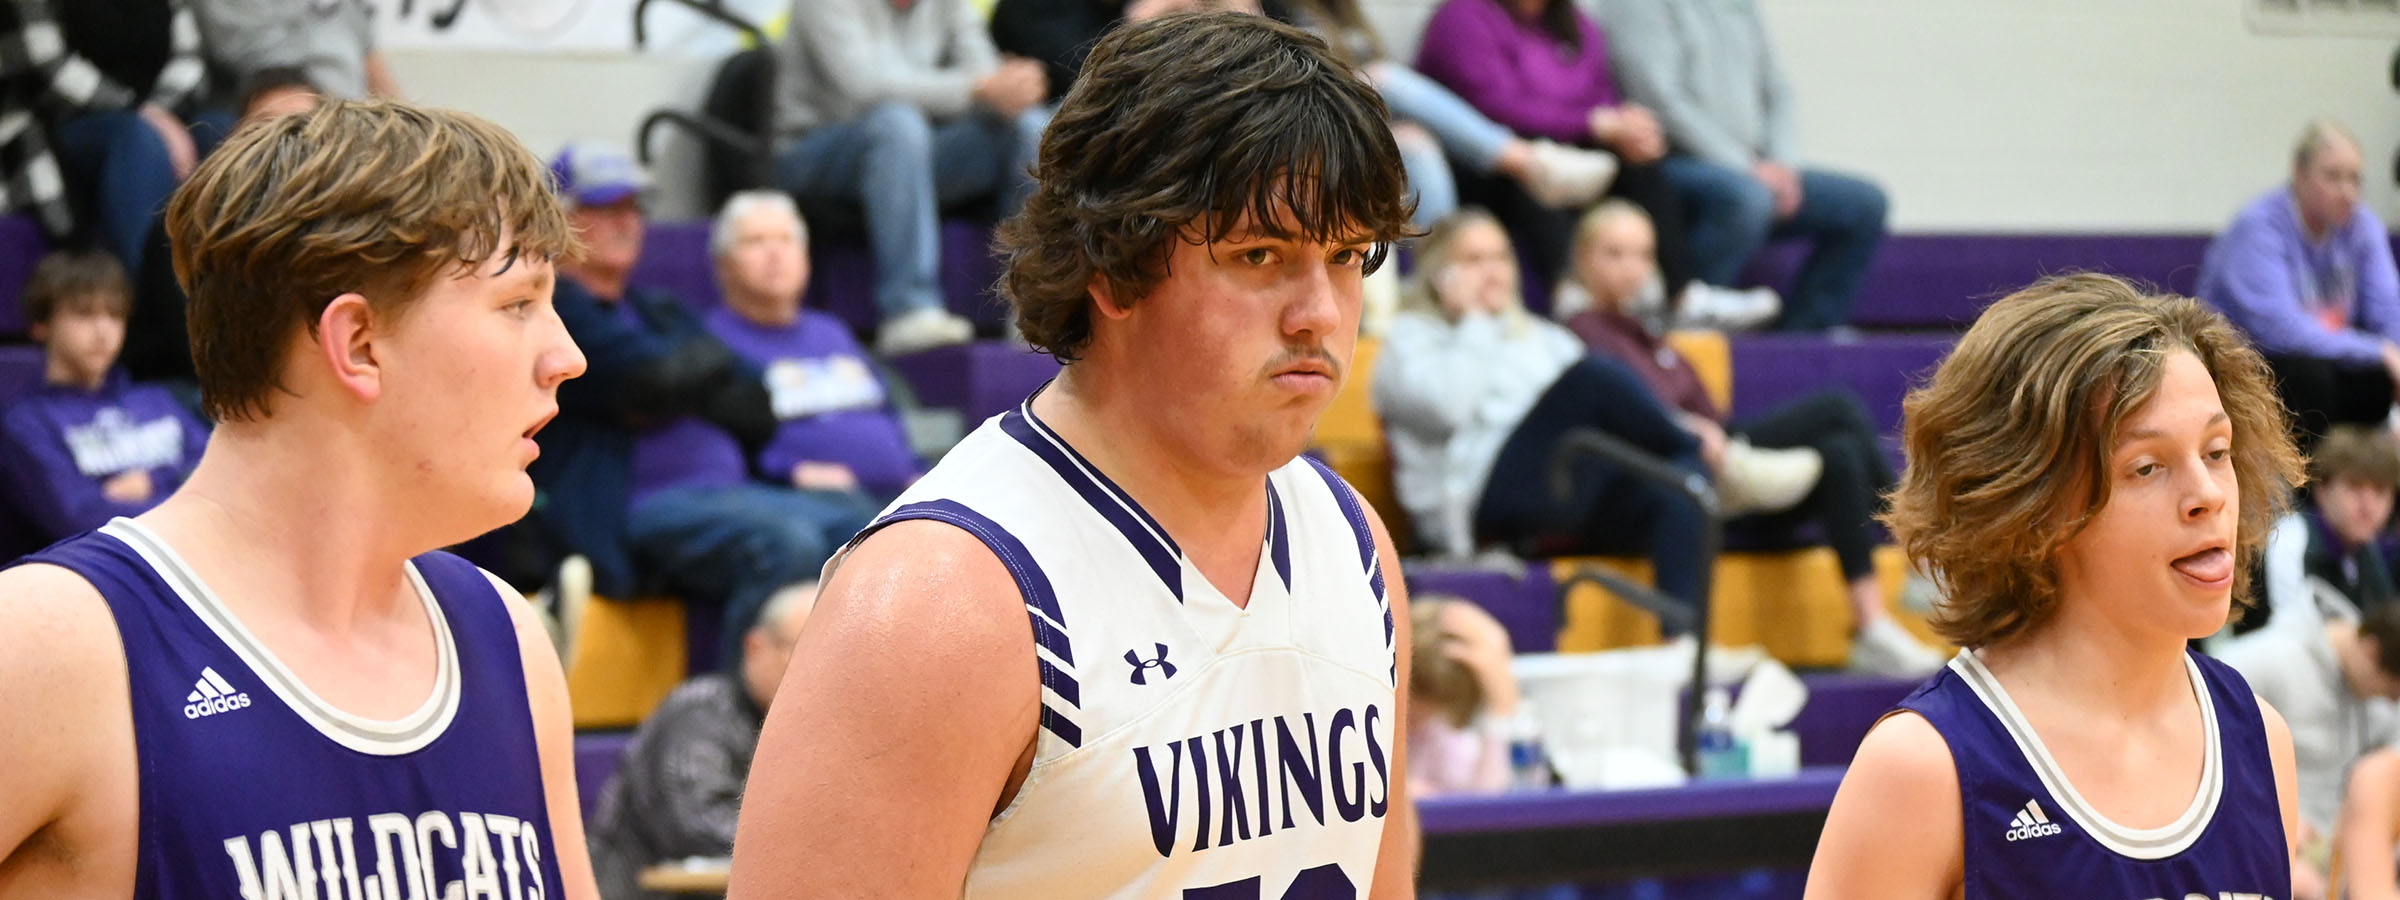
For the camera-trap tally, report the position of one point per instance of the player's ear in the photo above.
(1105, 297)
(345, 337)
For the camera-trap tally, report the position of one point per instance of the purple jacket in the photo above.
(2338, 299)
(1516, 72)
(830, 404)
(59, 444)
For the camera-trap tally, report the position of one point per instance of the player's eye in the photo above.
(1258, 256)
(1349, 257)
(2145, 470)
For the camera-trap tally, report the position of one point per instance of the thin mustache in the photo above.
(1292, 355)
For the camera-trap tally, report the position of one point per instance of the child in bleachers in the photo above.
(1819, 458)
(1460, 699)
(88, 444)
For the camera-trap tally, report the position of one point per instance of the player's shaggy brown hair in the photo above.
(1186, 128)
(367, 197)
(2006, 444)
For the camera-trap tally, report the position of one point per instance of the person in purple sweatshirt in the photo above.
(2307, 271)
(835, 429)
(88, 444)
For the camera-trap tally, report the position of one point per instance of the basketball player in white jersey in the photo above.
(2091, 474)
(271, 685)
(1120, 642)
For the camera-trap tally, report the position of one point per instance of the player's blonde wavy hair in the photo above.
(2006, 443)
(369, 197)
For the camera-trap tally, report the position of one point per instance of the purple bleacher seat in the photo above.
(842, 273)
(1771, 369)
(21, 245)
(980, 379)
(1943, 280)
(1526, 605)
(597, 754)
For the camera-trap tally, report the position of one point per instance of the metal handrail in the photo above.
(1579, 443)
(760, 148)
(708, 8)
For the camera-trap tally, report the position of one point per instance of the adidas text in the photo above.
(215, 705)
(2029, 832)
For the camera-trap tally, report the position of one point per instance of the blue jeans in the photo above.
(1460, 130)
(118, 168)
(737, 545)
(903, 169)
(1732, 215)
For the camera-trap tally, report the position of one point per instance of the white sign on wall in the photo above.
(558, 26)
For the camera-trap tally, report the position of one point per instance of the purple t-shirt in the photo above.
(2335, 298)
(829, 402)
(686, 452)
(64, 443)
(1516, 72)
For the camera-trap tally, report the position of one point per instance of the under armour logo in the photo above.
(1165, 669)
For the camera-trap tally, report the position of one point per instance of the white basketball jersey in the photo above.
(1187, 748)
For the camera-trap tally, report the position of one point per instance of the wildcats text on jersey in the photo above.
(494, 857)
(1246, 768)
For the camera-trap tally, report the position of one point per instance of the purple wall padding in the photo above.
(597, 754)
(980, 380)
(1943, 280)
(1526, 605)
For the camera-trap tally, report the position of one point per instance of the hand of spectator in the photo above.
(128, 487)
(1480, 643)
(2391, 362)
(1711, 435)
(182, 155)
(1782, 182)
(1630, 130)
(1013, 88)
(824, 476)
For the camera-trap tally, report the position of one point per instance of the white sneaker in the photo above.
(1563, 177)
(1706, 305)
(1760, 480)
(1885, 648)
(922, 329)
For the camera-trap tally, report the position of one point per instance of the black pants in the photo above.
(1857, 475)
(1611, 510)
(2322, 393)
(1547, 235)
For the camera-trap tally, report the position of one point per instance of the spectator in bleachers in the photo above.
(2307, 270)
(2334, 684)
(1708, 69)
(905, 111)
(331, 43)
(1818, 459)
(1542, 69)
(647, 469)
(1461, 697)
(88, 444)
(2329, 552)
(114, 83)
(677, 791)
(836, 430)
(1476, 394)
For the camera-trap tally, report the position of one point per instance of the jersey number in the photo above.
(1325, 882)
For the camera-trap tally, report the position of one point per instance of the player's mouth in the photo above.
(527, 434)
(1305, 375)
(2210, 566)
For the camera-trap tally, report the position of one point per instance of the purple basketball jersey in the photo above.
(2030, 834)
(252, 787)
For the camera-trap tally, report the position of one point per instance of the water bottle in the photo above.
(1721, 756)
(1528, 764)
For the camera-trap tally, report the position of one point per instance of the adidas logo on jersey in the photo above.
(2030, 823)
(212, 695)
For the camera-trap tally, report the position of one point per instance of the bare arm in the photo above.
(1894, 832)
(911, 699)
(2370, 824)
(554, 735)
(1396, 860)
(67, 739)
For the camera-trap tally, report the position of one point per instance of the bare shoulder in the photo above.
(1894, 830)
(915, 568)
(69, 729)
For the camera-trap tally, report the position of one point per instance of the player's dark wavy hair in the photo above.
(1185, 128)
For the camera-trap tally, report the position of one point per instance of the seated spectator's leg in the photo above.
(1464, 132)
(1855, 477)
(117, 164)
(884, 162)
(211, 127)
(981, 155)
(731, 546)
(1429, 178)
(1648, 187)
(1729, 214)
(1844, 216)
(2322, 393)
(1801, 422)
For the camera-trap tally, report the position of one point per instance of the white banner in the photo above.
(560, 26)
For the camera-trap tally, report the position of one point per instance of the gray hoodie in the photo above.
(840, 58)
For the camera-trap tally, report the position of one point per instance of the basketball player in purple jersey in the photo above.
(272, 685)
(1122, 642)
(2091, 474)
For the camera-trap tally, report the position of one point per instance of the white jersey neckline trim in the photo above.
(379, 737)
